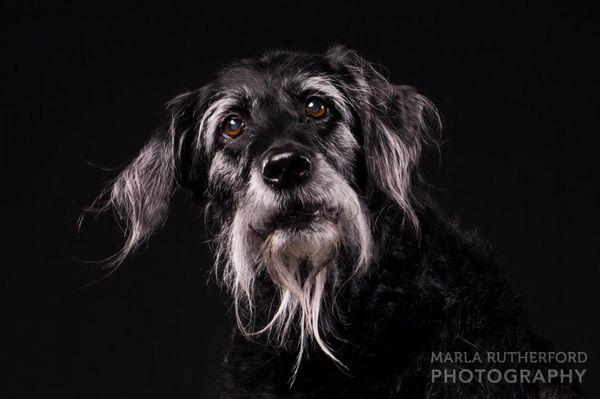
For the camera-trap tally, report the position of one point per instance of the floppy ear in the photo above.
(393, 139)
(396, 122)
(141, 194)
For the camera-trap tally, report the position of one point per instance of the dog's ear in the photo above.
(395, 121)
(140, 195)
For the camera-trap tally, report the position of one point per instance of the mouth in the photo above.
(298, 217)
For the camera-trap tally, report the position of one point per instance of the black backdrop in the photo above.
(518, 89)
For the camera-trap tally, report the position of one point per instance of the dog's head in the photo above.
(286, 152)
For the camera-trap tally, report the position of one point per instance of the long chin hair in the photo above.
(302, 264)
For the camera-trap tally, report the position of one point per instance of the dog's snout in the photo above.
(286, 169)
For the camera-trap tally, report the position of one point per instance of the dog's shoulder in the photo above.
(446, 280)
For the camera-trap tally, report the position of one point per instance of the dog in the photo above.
(346, 279)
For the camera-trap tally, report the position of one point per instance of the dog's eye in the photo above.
(315, 108)
(233, 126)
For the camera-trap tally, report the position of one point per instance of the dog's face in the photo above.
(286, 151)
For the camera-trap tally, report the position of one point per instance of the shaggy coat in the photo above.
(344, 275)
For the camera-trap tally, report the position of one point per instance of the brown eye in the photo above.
(233, 126)
(315, 108)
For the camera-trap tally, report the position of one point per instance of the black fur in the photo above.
(444, 292)
(431, 286)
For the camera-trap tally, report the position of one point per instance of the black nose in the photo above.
(286, 169)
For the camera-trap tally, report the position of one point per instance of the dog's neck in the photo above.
(394, 253)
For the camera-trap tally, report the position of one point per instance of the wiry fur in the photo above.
(283, 254)
(351, 302)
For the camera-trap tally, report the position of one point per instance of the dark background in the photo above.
(518, 90)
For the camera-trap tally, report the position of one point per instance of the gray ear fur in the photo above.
(396, 123)
(141, 194)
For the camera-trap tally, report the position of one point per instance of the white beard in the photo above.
(284, 253)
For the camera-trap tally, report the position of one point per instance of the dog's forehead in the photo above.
(275, 74)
